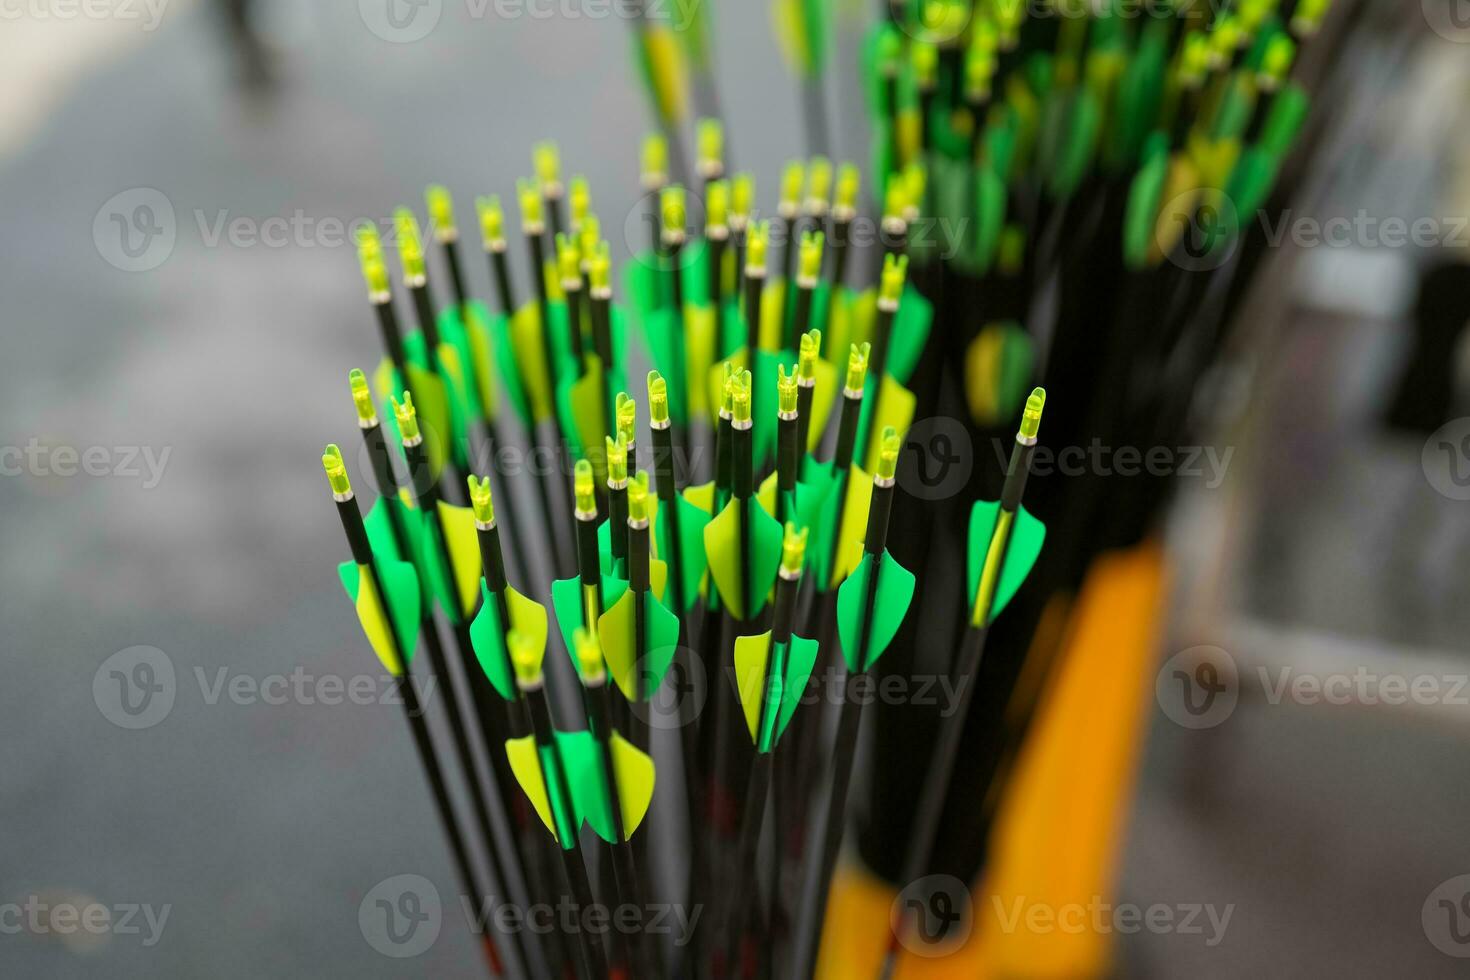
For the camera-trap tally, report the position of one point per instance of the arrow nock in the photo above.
(441, 213)
(336, 472)
(410, 246)
(481, 501)
(793, 551)
(362, 398)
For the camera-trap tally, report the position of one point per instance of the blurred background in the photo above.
(184, 303)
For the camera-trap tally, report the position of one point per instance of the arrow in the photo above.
(801, 27)
(554, 769)
(1005, 541)
(771, 671)
(385, 594)
(871, 605)
(889, 404)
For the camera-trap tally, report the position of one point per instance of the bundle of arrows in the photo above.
(713, 543)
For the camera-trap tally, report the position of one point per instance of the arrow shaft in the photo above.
(500, 275)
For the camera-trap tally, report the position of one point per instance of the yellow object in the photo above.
(857, 368)
(463, 544)
(793, 550)
(582, 487)
(480, 499)
(529, 197)
(410, 247)
(336, 471)
(407, 418)
(658, 399)
(362, 397)
(492, 221)
(654, 164)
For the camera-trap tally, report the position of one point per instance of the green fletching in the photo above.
(528, 764)
(480, 349)
(1144, 198)
(487, 636)
(430, 399)
(896, 411)
(458, 358)
(1026, 539)
(664, 336)
(1082, 127)
(583, 404)
(527, 358)
(801, 657)
(890, 605)
(566, 603)
(722, 543)
(990, 217)
(504, 353)
(692, 563)
(582, 761)
(1251, 180)
(1283, 122)
(615, 630)
(910, 333)
(753, 655)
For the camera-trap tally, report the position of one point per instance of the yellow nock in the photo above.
(895, 198)
(410, 246)
(617, 461)
(888, 454)
(582, 486)
(336, 471)
(785, 390)
(589, 654)
(849, 184)
(370, 255)
(742, 196)
(638, 499)
(658, 399)
(793, 550)
(925, 60)
(529, 196)
(589, 233)
(480, 500)
(671, 207)
(755, 248)
(1031, 417)
(916, 179)
(525, 658)
(568, 262)
(546, 159)
(791, 180)
(655, 163)
(601, 269)
(717, 206)
(492, 221)
(407, 416)
(810, 264)
(362, 397)
(580, 196)
(625, 411)
(857, 367)
(895, 270)
(441, 212)
(740, 398)
(819, 184)
(806, 356)
(711, 140)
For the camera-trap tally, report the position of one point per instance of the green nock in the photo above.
(492, 221)
(362, 397)
(336, 471)
(441, 212)
(410, 246)
(1031, 417)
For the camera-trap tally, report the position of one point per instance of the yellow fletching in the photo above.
(374, 618)
(751, 654)
(667, 69)
(525, 764)
(635, 775)
(463, 543)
